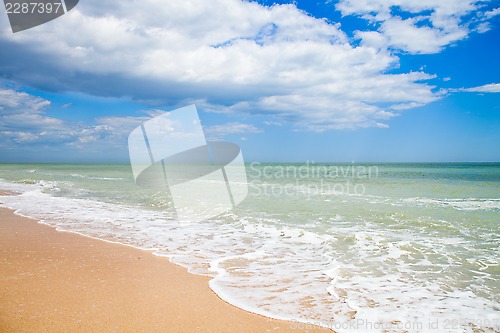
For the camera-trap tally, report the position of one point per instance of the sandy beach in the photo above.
(54, 281)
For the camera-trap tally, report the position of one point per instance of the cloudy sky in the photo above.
(327, 80)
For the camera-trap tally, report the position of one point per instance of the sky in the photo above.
(288, 81)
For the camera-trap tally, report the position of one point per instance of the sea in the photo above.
(409, 247)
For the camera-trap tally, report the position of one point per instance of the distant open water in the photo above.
(357, 248)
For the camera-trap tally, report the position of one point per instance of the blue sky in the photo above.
(333, 81)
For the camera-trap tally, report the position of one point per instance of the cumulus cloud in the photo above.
(13, 102)
(350, 105)
(418, 27)
(19, 136)
(492, 13)
(22, 111)
(227, 56)
(24, 120)
(218, 132)
(487, 88)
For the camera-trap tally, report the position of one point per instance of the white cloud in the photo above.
(123, 124)
(492, 13)
(405, 35)
(231, 56)
(351, 105)
(425, 26)
(273, 123)
(218, 132)
(13, 102)
(19, 136)
(20, 110)
(487, 88)
(23, 120)
(406, 106)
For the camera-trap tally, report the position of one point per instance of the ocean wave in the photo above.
(92, 177)
(459, 204)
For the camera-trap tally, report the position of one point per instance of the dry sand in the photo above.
(54, 281)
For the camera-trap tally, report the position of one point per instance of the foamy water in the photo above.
(390, 249)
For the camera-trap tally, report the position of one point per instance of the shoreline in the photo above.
(62, 281)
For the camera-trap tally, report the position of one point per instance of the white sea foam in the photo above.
(460, 204)
(352, 276)
(91, 177)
